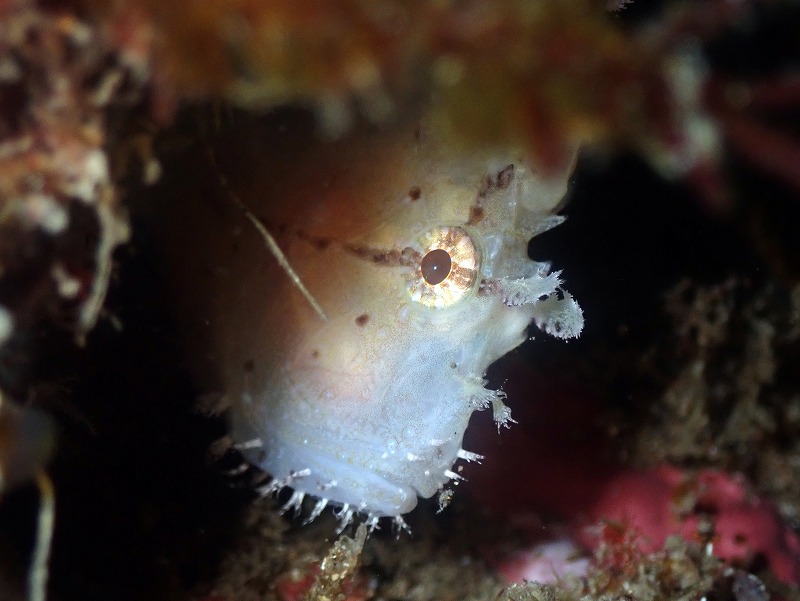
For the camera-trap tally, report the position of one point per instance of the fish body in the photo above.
(417, 256)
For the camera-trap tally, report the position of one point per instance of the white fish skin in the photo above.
(367, 409)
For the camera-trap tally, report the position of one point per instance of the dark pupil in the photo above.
(435, 266)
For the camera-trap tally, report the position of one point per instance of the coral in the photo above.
(676, 572)
(273, 562)
(579, 479)
(548, 562)
(336, 571)
(26, 443)
(734, 387)
(707, 505)
(60, 219)
(547, 74)
(56, 193)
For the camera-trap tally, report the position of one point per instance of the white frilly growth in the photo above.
(526, 291)
(554, 310)
(481, 398)
(559, 317)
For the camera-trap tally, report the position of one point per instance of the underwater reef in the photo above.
(656, 457)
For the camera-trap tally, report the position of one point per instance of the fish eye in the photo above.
(436, 266)
(448, 268)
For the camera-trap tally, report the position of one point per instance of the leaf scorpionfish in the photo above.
(418, 258)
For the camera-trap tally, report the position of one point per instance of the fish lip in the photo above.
(331, 476)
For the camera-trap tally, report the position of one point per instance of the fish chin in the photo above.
(377, 477)
(341, 479)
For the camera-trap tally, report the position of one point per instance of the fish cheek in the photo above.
(338, 362)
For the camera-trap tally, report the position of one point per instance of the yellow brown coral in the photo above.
(547, 73)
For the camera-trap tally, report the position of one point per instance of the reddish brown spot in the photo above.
(409, 257)
(318, 242)
(362, 320)
(391, 257)
(489, 287)
(414, 193)
(505, 177)
(476, 215)
(487, 185)
(315, 354)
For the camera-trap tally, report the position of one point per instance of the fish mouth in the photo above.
(341, 478)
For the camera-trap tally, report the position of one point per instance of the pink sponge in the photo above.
(663, 501)
(556, 462)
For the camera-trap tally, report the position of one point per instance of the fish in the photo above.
(413, 253)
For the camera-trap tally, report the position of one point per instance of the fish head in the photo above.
(417, 256)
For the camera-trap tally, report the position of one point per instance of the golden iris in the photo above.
(448, 268)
